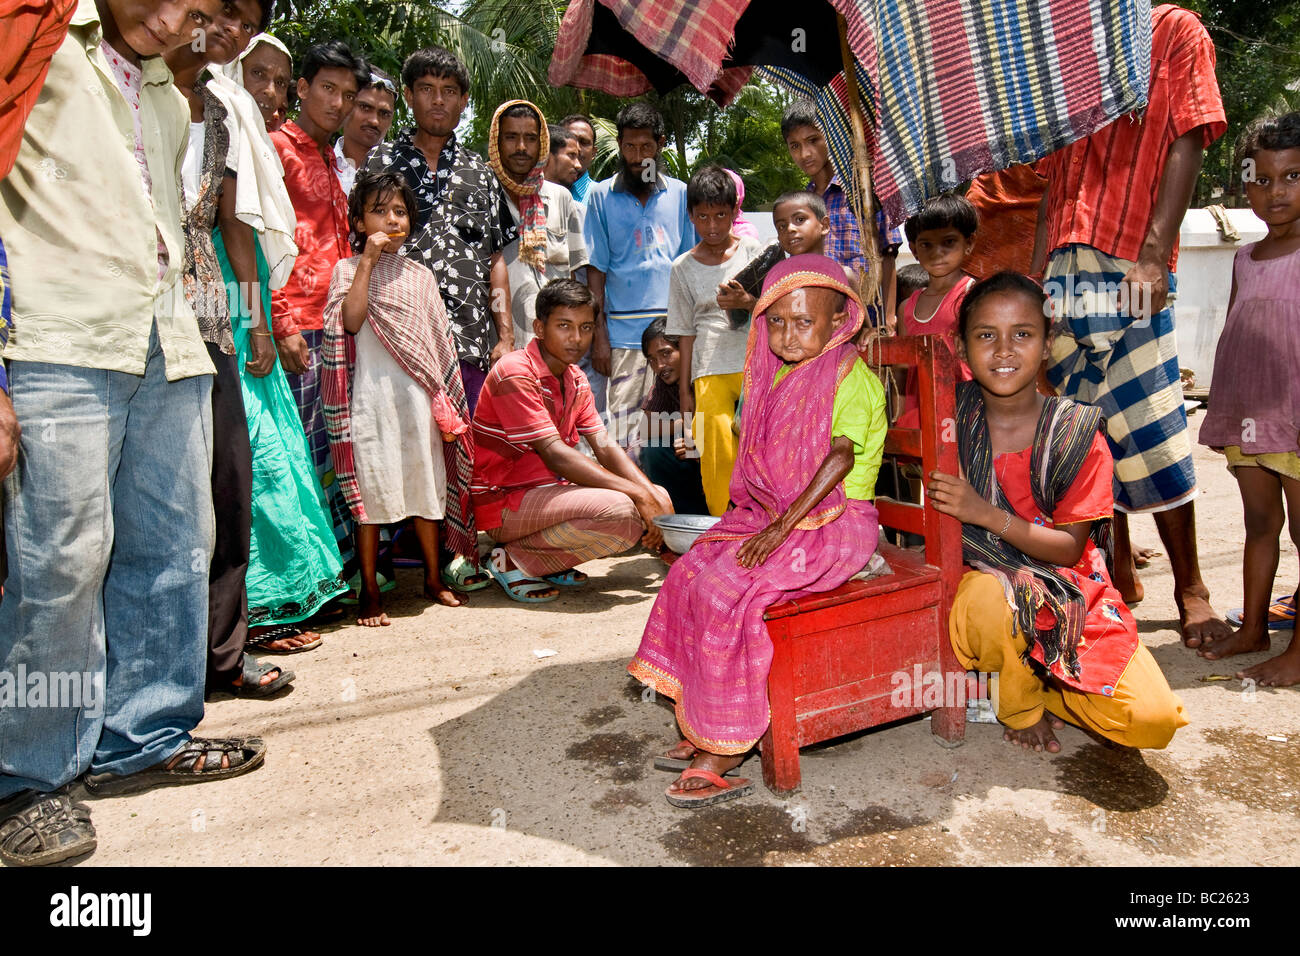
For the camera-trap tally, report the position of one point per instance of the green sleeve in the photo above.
(859, 416)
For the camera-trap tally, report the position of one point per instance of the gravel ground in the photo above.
(445, 739)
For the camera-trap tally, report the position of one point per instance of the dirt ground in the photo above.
(445, 739)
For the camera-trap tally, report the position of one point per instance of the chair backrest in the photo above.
(933, 445)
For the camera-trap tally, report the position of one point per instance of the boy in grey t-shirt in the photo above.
(711, 348)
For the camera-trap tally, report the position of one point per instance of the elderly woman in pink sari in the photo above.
(811, 436)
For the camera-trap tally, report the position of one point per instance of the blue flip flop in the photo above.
(518, 585)
(567, 579)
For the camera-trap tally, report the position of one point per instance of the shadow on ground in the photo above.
(566, 755)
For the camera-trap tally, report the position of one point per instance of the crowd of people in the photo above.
(260, 353)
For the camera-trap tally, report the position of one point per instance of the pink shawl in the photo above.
(706, 645)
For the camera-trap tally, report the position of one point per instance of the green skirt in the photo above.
(293, 560)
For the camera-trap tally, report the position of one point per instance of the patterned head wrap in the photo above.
(527, 195)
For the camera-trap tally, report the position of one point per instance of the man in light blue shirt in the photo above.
(636, 225)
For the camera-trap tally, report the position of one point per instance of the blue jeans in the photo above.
(109, 538)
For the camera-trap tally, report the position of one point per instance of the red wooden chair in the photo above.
(836, 653)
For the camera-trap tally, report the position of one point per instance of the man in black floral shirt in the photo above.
(462, 224)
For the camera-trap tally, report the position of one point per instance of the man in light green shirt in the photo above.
(109, 513)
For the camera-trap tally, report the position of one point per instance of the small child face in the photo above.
(798, 229)
(1006, 343)
(566, 333)
(387, 214)
(665, 360)
(713, 223)
(1274, 190)
(941, 252)
(801, 323)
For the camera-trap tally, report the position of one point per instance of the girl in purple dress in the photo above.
(1254, 416)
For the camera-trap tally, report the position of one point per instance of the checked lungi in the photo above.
(306, 392)
(558, 527)
(1128, 367)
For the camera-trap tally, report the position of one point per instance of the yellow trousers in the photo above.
(1143, 712)
(715, 408)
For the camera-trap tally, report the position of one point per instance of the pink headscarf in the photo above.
(740, 226)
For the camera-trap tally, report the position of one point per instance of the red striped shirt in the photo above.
(1102, 189)
(321, 234)
(522, 401)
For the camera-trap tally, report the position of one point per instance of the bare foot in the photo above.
(1039, 737)
(715, 763)
(1280, 671)
(1201, 623)
(439, 593)
(1142, 556)
(1128, 584)
(1243, 641)
(370, 610)
(683, 751)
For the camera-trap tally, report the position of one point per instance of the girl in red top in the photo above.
(1035, 505)
(941, 236)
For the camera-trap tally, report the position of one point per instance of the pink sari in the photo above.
(706, 644)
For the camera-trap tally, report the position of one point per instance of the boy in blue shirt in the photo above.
(636, 225)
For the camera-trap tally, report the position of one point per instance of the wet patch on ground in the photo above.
(1140, 798)
(998, 837)
(619, 799)
(1263, 774)
(877, 836)
(624, 757)
(602, 716)
(732, 834)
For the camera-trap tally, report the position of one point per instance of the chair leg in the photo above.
(780, 744)
(948, 724)
(780, 763)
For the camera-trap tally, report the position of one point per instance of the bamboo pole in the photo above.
(861, 197)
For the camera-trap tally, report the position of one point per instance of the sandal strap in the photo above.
(38, 827)
(691, 773)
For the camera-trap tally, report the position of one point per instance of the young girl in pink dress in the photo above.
(941, 236)
(1254, 416)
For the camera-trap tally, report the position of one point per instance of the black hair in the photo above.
(799, 113)
(521, 110)
(264, 18)
(655, 330)
(640, 115)
(562, 294)
(559, 136)
(1004, 282)
(1269, 132)
(578, 118)
(436, 62)
(334, 54)
(378, 185)
(948, 211)
(710, 186)
(815, 203)
(909, 279)
(377, 78)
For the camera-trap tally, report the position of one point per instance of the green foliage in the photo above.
(1257, 57)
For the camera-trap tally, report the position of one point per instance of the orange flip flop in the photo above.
(721, 790)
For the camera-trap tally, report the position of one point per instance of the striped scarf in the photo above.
(528, 194)
(407, 315)
(1062, 439)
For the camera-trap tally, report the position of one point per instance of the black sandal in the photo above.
(197, 762)
(254, 671)
(279, 633)
(37, 829)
